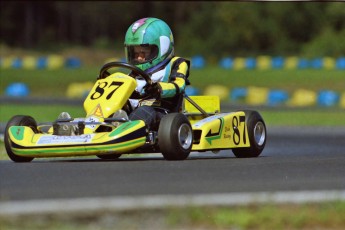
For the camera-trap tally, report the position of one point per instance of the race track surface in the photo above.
(295, 159)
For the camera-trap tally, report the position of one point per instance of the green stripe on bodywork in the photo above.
(123, 127)
(17, 132)
(216, 135)
(80, 149)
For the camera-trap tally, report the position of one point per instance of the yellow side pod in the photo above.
(220, 131)
(128, 136)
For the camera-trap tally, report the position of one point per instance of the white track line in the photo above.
(125, 203)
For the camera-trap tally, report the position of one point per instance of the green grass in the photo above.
(328, 215)
(310, 117)
(47, 83)
(304, 118)
(41, 113)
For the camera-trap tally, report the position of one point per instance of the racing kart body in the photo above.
(195, 125)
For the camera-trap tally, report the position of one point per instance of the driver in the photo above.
(141, 53)
(149, 45)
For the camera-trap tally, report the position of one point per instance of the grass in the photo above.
(328, 215)
(268, 216)
(47, 83)
(304, 118)
(41, 113)
(312, 117)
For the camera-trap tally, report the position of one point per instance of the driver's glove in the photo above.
(153, 90)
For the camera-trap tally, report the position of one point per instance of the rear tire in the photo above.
(175, 136)
(256, 133)
(18, 120)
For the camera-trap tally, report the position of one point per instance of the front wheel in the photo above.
(18, 120)
(175, 136)
(257, 136)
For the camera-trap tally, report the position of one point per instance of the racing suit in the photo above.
(170, 79)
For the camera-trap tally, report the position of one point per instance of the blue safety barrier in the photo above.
(317, 63)
(303, 63)
(277, 62)
(340, 63)
(50, 62)
(277, 97)
(17, 89)
(328, 98)
(250, 63)
(192, 91)
(72, 62)
(226, 63)
(198, 62)
(41, 63)
(237, 94)
(17, 63)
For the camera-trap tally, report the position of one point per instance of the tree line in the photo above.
(215, 28)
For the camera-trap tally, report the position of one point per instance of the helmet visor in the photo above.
(140, 54)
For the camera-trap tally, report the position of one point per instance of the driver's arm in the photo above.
(177, 81)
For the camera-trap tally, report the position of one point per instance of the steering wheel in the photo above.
(138, 72)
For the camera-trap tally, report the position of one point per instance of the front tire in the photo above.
(257, 136)
(175, 136)
(18, 120)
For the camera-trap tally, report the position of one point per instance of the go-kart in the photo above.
(194, 124)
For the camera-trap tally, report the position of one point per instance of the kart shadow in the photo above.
(131, 159)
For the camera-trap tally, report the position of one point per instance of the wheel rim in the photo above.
(260, 133)
(185, 136)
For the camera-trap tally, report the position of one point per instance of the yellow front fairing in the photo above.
(109, 95)
(221, 131)
(128, 136)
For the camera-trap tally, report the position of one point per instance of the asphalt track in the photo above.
(294, 159)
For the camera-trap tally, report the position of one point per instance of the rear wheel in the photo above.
(18, 120)
(257, 136)
(175, 136)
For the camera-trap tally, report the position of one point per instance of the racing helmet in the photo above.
(151, 38)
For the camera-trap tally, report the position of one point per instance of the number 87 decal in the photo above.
(237, 135)
(102, 88)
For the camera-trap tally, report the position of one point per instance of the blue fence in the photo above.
(46, 62)
(245, 95)
(278, 62)
(197, 62)
(273, 97)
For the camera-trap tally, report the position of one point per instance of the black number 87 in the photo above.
(237, 136)
(102, 88)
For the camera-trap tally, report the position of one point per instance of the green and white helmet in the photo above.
(154, 37)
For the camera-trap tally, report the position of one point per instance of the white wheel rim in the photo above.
(185, 136)
(259, 133)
